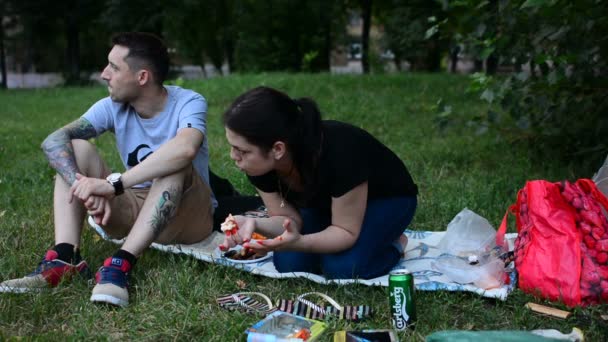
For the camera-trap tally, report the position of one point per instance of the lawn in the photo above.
(173, 297)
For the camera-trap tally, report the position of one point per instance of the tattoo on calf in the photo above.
(59, 150)
(165, 210)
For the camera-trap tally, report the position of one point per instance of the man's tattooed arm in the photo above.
(165, 210)
(59, 150)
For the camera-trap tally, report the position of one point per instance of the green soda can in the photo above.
(401, 298)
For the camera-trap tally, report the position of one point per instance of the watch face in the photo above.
(114, 177)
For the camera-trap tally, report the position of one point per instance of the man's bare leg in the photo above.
(151, 224)
(68, 217)
(159, 208)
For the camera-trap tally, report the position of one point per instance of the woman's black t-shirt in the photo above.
(349, 157)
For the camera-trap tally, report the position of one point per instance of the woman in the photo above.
(337, 198)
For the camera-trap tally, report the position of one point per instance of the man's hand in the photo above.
(85, 187)
(285, 241)
(99, 208)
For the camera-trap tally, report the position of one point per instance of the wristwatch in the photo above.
(116, 180)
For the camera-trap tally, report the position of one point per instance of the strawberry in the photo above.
(597, 233)
(603, 271)
(590, 277)
(591, 217)
(601, 258)
(589, 241)
(577, 203)
(602, 245)
(605, 296)
(585, 227)
(567, 196)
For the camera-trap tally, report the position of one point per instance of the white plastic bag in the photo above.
(468, 234)
(487, 274)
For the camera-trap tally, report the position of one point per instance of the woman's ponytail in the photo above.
(307, 145)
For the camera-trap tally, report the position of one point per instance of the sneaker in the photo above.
(49, 273)
(112, 281)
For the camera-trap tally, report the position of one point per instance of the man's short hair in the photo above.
(146, 50)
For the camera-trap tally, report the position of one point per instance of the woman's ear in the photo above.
(279, 149)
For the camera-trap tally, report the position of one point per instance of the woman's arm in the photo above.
(273, 225)
(348, 212)
(268, 226)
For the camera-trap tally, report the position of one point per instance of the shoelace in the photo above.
(114, 276)
(43, 266)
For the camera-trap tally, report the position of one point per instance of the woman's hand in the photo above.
(286, 241)
(246, 227)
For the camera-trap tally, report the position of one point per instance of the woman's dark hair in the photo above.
(264, 116)
(145, 50)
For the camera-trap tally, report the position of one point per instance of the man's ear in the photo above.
(143, 77)
(279, 149)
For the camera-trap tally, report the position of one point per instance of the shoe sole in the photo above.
(101, 298)
(10, 289)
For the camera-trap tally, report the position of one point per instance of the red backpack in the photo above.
(561, 251)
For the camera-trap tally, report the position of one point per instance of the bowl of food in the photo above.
(242, 255)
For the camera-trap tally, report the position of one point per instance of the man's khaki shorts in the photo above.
(192, 223)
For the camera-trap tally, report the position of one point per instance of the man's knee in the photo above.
(87, 158)
(181, 177)
(83, 148)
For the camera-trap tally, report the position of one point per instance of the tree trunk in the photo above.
(2, 55)
(366, 13)
(433, 57)
(73, 47)
(477, 65)
(454, 51)
(492, 64)
(229, 51)
(325, 62)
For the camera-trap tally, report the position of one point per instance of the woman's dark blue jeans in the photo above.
(373, 254)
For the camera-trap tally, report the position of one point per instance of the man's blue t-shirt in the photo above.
(137, 138)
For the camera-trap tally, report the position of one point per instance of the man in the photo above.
(163, 196)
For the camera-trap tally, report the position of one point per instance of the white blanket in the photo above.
(419, 254)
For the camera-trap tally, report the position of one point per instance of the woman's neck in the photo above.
(288, 174)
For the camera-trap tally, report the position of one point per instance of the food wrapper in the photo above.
(282, 326)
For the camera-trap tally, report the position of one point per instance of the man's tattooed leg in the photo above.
(165, 210)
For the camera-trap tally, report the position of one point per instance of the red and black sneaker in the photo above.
(49, 273)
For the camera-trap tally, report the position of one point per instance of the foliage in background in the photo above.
(405, 24)
(286, 35)
(58, 36)
(205, 32)
(557, 97)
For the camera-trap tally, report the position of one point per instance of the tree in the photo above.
(213, 39)
(4, 16)
(50, 31)
(559, 104)
(294, 35)
(406, 24)
(366, 14)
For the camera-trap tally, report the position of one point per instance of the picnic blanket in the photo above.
(419, 255)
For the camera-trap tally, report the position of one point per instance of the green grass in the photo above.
(173, 297)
